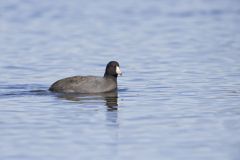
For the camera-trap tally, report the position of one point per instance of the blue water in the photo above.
(178, 98)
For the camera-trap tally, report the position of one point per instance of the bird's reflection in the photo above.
(110, 98)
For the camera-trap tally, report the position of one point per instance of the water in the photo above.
(179, 97)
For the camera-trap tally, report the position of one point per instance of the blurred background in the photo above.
(178, 97)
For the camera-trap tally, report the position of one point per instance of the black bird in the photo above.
(90, 84)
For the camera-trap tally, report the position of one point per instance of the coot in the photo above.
(90, 84)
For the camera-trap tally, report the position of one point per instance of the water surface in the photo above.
(178, 98)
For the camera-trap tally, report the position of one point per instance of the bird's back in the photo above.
(84, 84)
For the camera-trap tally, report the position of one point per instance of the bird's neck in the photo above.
(110, 77)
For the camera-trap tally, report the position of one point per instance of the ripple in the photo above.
(178, 98)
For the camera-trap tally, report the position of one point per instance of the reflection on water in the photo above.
(110, 98)
(179, 98)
